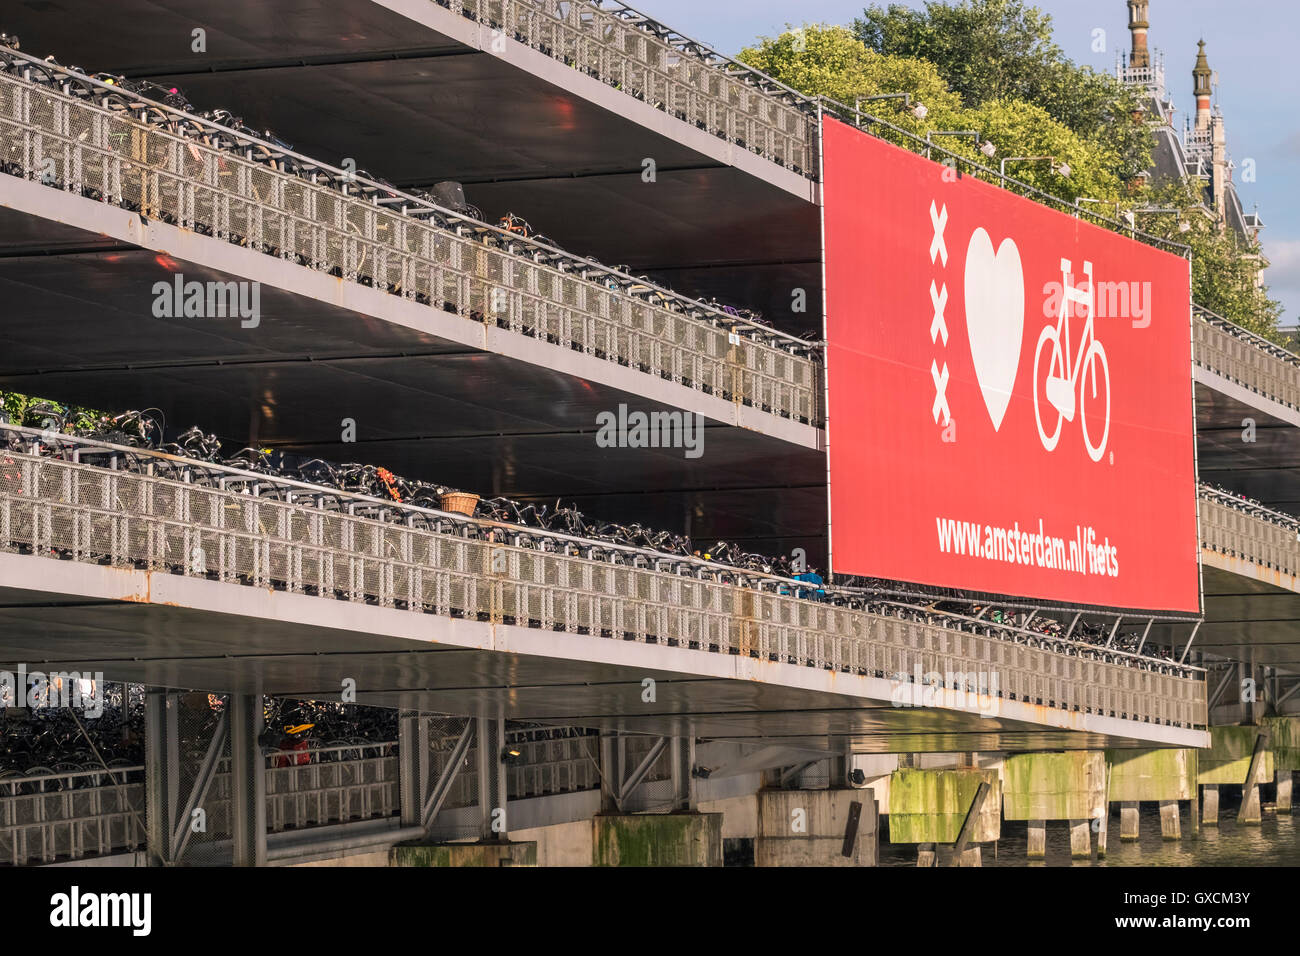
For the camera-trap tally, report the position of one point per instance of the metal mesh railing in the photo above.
(645, 59)
(552, 760)
(327, 785)
(59, 816)
(46, 818)
(205, 839)
(485, 275)
(91, 514)
(510, 284)
(1248, 530)
(1247, 359)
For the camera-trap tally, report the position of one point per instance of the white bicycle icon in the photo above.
(1090, 377)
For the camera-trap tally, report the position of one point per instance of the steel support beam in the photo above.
(1283, 697)
(1218, 691)
(161, 774)
(412, 767)
(790, 774)
(634, 779)
(683, 760)
(202, 783)
(612, 758)
(247, 781)
(1190, 638)
(1145, 632)
(449, 773)
(491, 739)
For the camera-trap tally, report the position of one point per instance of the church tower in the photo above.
(1139, 56)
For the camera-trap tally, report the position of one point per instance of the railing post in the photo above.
(611, 772)
(247, 781)
(683, 763)
(491, 740)
(412, 767)
(162, 774)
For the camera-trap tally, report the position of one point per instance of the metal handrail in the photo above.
(244, 140)
(595, 14)
(692, 310)
(341, 748)
(93, 446)
(1040, 636)
(701, 51)
(743, 577)
(833, 636)
(1246, 335)
(1250, 506)
(68, 775)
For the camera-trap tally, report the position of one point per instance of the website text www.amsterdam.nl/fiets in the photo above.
(1086, 552)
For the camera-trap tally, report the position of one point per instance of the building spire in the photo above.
(1202, 75)
(1138, 26)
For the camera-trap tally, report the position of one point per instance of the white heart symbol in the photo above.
(995, 318)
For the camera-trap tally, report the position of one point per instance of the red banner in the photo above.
(1010, 402)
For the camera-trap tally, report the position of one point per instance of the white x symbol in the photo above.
(939, 220)
(939, 299)
(940, 392)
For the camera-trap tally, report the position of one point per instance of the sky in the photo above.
(1252, 44)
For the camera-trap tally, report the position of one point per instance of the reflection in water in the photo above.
(1276, 842)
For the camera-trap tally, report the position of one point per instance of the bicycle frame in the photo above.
(1073, 294)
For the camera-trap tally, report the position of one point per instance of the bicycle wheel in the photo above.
(1055, 369)
(1095, 390)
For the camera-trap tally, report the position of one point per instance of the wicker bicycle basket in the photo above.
(461, 502)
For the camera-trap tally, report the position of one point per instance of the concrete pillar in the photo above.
(925, 855)
(1103, 830)
(247, 781)
(1283, 778)
(161, 774)
(1080, 839)
(1250, 812)
(946, 855)
(1170, 823)
(1037, 849)
(1210, 805)
(836, 827)
(412, 767)
(495, 853)
(657, 839)
(1128, 820)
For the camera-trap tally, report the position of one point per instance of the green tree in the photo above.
(823, 60)
(1002, 50)
(1019, 129)
(830, 61)
(1223, 266)
(21, 409)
